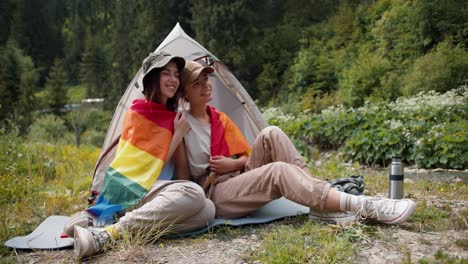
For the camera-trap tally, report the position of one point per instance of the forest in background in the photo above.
(297, 54)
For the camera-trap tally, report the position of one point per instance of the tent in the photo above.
(230, 97)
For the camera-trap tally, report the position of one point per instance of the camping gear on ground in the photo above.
(48, 235)
(396, 179)
(352, 185)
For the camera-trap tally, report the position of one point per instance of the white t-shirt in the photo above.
(197, 146)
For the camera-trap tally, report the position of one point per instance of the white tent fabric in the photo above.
(230, 97)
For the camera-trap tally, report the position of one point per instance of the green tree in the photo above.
(226, 28)
(78, 121)
(120, 52)
(447, 19)
(74, 32)
(343, 25)
(401, 33)
(364, 78)
(56, 92)
(93, 68)
(442, 69)
(10, 75)
(7, 8)
(18, 81)
(36, 27)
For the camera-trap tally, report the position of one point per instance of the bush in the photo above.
(48, 128)
(450, 143)
(365, 78)
(428, 130)
(442, 69)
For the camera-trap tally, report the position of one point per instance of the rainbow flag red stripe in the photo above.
(226, 138)
(140, 157)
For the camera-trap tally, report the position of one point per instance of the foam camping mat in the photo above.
(45, 236)
(48, 234)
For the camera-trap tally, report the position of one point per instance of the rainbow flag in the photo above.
(226, 138)
(141, 154)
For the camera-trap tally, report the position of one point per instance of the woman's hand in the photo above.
(221, 164)
(181, 125)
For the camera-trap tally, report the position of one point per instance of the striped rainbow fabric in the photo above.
(226, 138)
(141, 153)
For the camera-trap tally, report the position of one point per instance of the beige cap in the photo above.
(192, 70)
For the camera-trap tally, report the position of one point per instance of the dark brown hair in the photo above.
(152, 91)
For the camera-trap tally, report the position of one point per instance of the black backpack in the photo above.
(352, 185)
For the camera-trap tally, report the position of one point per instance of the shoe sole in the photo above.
(80, 249)
(332, 219)
(405, 215)
(81, 220)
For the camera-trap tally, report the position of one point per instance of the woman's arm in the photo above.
(221, 164)
(181, 165)
(181, 127)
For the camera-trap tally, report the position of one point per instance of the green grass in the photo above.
(38, 180)
(442, 257)
(299, 240)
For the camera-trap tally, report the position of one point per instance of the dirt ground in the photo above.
(394, 245)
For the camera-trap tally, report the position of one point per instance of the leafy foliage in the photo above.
(427, 129)
(298, 56)
(48, 128)
(439, 70)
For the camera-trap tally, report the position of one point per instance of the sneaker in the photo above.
(386, 211)
(82, 219)
(337, 217)
(89, 241)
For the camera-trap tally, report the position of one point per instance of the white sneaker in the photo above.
(82, 219)
(89, 241)
(337, 217)
(386, 211)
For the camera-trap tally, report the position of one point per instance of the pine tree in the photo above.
(344, 28)
(74, 38)
(10, 77)
(121, 52)
(55, 88)
(93, 69)
(18, 81)
(7, 8)
(37, 28)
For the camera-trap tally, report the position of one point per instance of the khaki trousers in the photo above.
(274, 169)
(178, 206)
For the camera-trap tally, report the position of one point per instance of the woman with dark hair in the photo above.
(132, 198)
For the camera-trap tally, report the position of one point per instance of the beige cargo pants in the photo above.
(176, 206)
(274, 169)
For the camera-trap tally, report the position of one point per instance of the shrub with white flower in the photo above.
(428, 130)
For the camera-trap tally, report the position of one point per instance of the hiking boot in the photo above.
(82, 219)
(386, 211)
(90, 241)
(337, 217)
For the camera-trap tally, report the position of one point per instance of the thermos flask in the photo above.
(396, 178)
